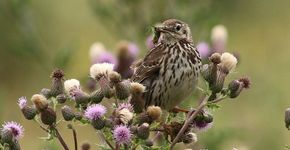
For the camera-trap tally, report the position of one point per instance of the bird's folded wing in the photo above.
(150, 66)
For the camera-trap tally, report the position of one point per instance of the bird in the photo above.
(170, 70)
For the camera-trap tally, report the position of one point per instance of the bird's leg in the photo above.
(177, 110)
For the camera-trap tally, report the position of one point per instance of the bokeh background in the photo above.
(38, 36)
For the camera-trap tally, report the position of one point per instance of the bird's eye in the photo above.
(178, 27)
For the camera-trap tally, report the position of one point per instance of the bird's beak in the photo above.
(161, 29)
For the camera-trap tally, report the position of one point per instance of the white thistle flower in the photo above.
(219, 33)
(96, 49)
(71, 84)
(101, 69)
(125, 115)
(228, 61)
(137, 87)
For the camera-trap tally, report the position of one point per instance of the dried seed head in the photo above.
(215, 58)
(67, 113)
(125, 115)
(39, 101)
(154, 112)
(137, 88)
(246, 82)
(57, 73)
(57, 83)
(100, 70)
(48, 116)
(228, 61)
(219, 33)
(115, 77)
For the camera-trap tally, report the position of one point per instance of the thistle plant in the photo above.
(126, 127)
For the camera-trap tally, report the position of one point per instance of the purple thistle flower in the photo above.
(22, 102)
(202, 126)
(95, 111)
(16, 129)
(133, 49)
(149, 42)
(122, 134)
(203, 49)
(105, 57)
(125, 106)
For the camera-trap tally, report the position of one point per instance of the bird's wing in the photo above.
(149, 67)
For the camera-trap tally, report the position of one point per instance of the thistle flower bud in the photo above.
(143, 131)
(149, 142)
(217, 85)
(154, 112)
(78, 116)
(236, 87)
(136, 100)
(101, 70)
(144, 118)
(46, 92)
(98, 123)
(105, 87)
(39, 101)
(202, 122)
(48, 116)
(228, 61)
(61, 98)
(126, 54)
(57, 82)
(86, 146)
(287, 118)
(97, 96)
(14, 145)
(67, 113)
(215, 58)
(6, 136)
(122, 90)
(134, 129)
(189, 138)
(29, 112)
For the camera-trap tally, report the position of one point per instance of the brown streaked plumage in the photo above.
(170, 70)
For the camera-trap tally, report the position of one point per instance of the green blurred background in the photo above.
(37, 36)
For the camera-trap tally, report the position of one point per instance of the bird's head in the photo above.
(173, 30)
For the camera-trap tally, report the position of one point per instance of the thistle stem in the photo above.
(75, 137)
(108, 142)
(64, 145)
(189, 120)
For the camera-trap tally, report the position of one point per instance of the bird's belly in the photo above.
(180, 91)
